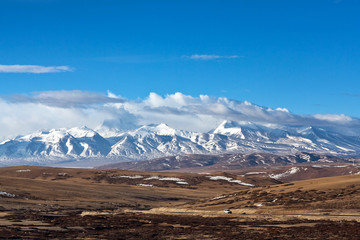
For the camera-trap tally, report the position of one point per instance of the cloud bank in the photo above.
(65, 99)
(22, 114)
(33, 69)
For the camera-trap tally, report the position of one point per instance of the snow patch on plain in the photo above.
(183, 183)
(126, 176)
(145, 185)
(174, 179)
(23, 170)
(219, 197)
(253, 173)
(6, 194)
(289, 172)
(216, 178)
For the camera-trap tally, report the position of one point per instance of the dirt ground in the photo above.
(54, 203)
(73, 225)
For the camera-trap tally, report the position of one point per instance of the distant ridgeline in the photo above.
(94, 148)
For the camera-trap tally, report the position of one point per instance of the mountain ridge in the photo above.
(156, 141)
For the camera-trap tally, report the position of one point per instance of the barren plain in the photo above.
(64, 203)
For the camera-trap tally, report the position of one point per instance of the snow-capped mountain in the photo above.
(154, 141)
(62, 143)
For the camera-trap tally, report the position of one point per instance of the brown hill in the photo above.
(198, 163)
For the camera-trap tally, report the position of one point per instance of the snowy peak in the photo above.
(81, 132)
(229, 128)
(154, 141)
(164, 129)
(60, 143)
(52, 136)
(160, 129)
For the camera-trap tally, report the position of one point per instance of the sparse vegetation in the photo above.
(46, 203)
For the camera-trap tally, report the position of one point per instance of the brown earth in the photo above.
(54, 203)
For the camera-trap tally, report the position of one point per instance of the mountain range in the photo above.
(88, 147)
(238, 161)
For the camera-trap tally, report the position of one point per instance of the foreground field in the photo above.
(50, 203)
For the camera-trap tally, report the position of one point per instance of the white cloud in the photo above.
(204, 113)
(340, 118)
(66, 99)
(23, 118)
(33, 69)
(22, 114)
(210, 57)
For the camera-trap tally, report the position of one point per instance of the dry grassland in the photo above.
(54, 203)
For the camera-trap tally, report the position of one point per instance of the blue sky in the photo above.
(300, 55)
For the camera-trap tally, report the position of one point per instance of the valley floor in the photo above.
(74, 225)
(59, 203)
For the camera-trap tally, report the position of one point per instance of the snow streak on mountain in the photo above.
(153, 141)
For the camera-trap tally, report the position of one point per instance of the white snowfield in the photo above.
(289, 172)
(183, 183)
(105, 145)
(125, 176)
(174, 179)
(215, 178)
(6, 194)
(145, 185)
(219, 197)
(23, 170)
(253, 173)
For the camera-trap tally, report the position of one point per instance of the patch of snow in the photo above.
(184, 183)
(171, 179)
(152, 178)
(242, 183)
(289, 172)
(215, 178)
(23, 170)
(319, 166)
(294, 170)
(3, 142)
(6, 194)
(253, 173)
(323, 140)
(344, 149)
(219, 197)
(165, 179)
(306, 157)
(126, 176)
(145, 185)
(228, 211)
(325, 160)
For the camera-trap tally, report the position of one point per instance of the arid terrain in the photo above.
(64, 203)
